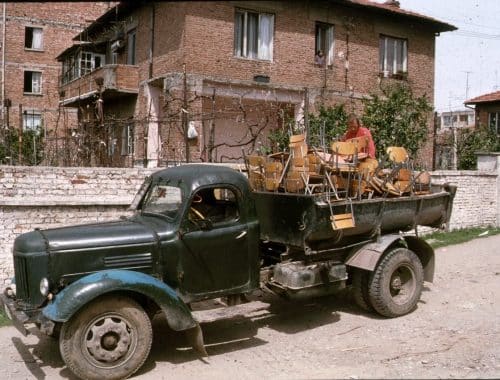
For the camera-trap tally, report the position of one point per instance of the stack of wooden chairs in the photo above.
(345, 172)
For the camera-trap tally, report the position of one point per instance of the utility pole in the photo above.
(467, 84)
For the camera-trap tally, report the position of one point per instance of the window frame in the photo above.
(392, 71)
(241, 36)
(497, 122)
(132, 50)
(32, 28)
(91, 61)
(39, 85)
(30, 114)
(328, 29)
(127, 140)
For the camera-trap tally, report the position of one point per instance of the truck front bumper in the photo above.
(18, 317)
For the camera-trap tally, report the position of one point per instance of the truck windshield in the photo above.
(164, 200)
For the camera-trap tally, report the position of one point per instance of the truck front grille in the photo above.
(20, 270)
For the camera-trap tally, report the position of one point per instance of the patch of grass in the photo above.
(442, 239)
(4, 321)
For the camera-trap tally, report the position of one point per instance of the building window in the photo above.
(32, 82)
(494, 122)
(127, 140)
(33, 38)
(253, 35)
(393, 56)
(32, 120)
(324, 43)
(90, 61)
(131, 42)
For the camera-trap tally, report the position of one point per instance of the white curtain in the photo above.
(37, 38)
(36, 82)
(329, 45)
(266, 31)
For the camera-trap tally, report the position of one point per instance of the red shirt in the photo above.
(362, 131)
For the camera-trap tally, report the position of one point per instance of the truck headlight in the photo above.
(44, 287)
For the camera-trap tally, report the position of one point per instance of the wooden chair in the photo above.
(366, 171)
(255, 170)
(361, 144)
(298, 145)
(400, 179)
(273, 172)
(344, 162)
(294, 182)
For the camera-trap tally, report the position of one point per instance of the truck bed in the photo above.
(304, 221)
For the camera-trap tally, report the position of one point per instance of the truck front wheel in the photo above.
(397, 283)
(109, 338)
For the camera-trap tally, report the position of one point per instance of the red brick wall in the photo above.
(60, 22)
(200, 35)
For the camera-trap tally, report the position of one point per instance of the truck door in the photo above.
(215, 237)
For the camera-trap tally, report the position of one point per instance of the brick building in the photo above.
(487, 109)
(204, 80)
(32, 36)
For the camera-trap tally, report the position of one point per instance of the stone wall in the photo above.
(47, 197)
(477, 201)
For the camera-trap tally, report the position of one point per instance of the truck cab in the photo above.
(207, 230)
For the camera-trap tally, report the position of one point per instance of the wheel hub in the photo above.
(396, 283)
(108, 339)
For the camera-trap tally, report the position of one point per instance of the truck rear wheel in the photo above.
(360, 288)
(397, 283)
(109, 338)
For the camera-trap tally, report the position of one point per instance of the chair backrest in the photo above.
(256, 161)
(397, 154)
(273, 174)
(343, 148)
(368, 166)
(315, 163)
(298, 145)
(361, 143)
(294, 182)
(300, 164)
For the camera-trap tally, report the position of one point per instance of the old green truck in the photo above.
(199, 232)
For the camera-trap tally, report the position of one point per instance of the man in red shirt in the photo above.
(354, 129)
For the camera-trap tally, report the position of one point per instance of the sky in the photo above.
(468, 59)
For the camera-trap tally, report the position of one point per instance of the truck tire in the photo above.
(396, 283)
(110, 338)
(360, 288)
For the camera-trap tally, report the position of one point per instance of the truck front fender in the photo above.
(66, 303)
(369, 255)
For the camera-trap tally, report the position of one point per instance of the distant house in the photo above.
(203, 81)
(455, 119)
(487, 108)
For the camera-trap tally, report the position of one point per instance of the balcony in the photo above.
(113, 80)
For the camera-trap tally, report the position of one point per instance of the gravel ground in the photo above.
(454, 333)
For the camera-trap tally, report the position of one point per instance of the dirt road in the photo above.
(454, 333)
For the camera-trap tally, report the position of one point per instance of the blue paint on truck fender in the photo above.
(76, 295)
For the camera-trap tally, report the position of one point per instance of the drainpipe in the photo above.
(152, 39)
(3, 62)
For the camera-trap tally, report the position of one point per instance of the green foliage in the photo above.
(330, 123)
(442, 239)
(398, 118)
(4, 321)
(278, 140)
(471, 140)
(31, 147)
